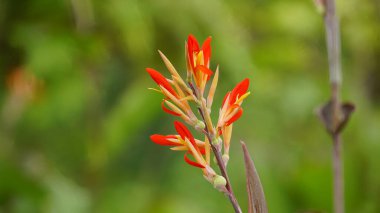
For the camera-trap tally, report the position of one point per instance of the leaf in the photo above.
(256, 197)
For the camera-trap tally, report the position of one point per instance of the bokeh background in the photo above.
(76, 114)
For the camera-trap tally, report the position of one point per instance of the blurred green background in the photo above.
(76, 115)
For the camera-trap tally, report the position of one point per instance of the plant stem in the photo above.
(230, 194)
(210, 136)
(338, 175)
(333, 48)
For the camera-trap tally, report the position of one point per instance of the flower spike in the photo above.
(181, 97)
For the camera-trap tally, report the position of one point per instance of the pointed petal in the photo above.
(162, 140)
(211, 92)
(193, 163)
(192, 43)
(223, 110)
(194, 151)
(232, 110)
(161, 80)
(184, 132)
(206, 48)
(169, 110)
(236, 116)
(188, 62)
(227, 133)
(241, 98)
(225, 98)
(200, 58)
(239, 90)
(179, 148)
(204, 69)
(192, 47)
(182, 84)
(171, 97)
(168, 64)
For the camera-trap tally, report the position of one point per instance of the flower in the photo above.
(179, 94)
(198, 61)
(161, 81)
(231, 108)
(175, 98)
(185, 141)
(231, 111)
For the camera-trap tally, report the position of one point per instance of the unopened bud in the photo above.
(220, 183)
(216, 141)
(199, 125)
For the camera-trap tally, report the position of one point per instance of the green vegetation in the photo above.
(76, 114)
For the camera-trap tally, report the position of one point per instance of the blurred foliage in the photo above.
(76, 115)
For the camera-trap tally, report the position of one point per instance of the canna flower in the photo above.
(198, 61)
(179, 94)
(161, 81)
(176, 99)
(231, 108)
(230, 112)
(185, 141)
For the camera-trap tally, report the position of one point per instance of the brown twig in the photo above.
(338, 175)
(333, 48)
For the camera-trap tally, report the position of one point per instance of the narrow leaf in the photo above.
(256, 197)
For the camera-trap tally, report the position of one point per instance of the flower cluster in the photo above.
(179, 95)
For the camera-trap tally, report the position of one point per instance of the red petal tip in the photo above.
(168, 110)
(206, 47)
(162, 140)
(239, 90)
(192, 163)
(192, 43)
(184, 132)
(161, 80)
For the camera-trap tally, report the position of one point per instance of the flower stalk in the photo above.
(180, 95)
